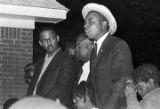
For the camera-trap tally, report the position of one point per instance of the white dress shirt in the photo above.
(85, 73)
(100, 41)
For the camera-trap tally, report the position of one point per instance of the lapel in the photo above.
(98, 58)
(51, 67)
(101, 51)
(38, 67)
(79, 75)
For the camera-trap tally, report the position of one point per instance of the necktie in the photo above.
(93, 55)
(92, 61)
(94, 51)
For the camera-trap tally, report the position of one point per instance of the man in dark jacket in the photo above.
(110, 60)
(54, 75)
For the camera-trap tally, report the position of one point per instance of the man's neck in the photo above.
(53, 53)
(101, 35)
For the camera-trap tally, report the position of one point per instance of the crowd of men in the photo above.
(98, 75)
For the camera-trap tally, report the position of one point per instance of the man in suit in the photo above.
(112, 62)
(54, 75)
(83, 50)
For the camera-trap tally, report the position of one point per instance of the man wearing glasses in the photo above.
(54, 74)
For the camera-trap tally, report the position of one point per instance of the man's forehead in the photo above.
(92, 14)
(80, 39)
(47, 34)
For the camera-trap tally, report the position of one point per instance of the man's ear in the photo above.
(104, 23)
(58, 38)
(40, 43)
(151, 82)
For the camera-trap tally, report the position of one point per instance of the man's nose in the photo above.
(49, 42)
(85, 25)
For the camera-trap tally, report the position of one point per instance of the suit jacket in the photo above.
(58, 78)
(112, 63)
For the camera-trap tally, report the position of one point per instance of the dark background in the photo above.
(138, 24)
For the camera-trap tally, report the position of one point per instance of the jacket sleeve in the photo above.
(121, 62)
(122, 68)
(132, 102)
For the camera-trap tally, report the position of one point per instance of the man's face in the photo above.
(93, 25)
(71, 51)
(84, 50)
(49, 41)
(28, 77)
(143, 88)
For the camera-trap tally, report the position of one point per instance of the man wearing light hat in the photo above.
(113, 59)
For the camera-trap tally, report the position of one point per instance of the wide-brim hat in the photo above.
(102, 10)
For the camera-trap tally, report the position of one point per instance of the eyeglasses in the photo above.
(51, 39)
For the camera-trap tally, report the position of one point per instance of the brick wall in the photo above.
(16, 50)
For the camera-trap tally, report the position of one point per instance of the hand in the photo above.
(119, 86)
(130, 89)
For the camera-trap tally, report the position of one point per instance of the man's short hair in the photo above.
(29, 67)
(81, 37)
(146, 72)
(83, 90)
(48, 28)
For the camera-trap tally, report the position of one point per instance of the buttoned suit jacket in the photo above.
(112, 63)
(58, 78)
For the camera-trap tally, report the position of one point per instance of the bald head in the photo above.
(35, 102)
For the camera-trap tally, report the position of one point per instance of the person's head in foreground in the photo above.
(35, 102)
(147, 77)
(84, 96)
(29, 72)
(9, 102)
(83, 47)
(98, 20)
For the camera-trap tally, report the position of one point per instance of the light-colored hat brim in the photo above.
(102, 10)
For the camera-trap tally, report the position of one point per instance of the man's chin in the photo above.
(50, 51)
(90, 37)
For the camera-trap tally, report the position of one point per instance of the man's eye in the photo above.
(91, 22)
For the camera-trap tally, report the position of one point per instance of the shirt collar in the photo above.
(86, 63)
(50, 57)
(100, 41)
